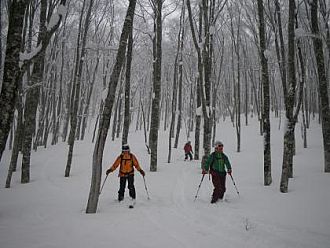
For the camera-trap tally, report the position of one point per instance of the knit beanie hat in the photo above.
(218, 143)
(125, 147)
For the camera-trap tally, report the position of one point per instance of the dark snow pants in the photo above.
(131, 188)
(188, 154)
(219, 183)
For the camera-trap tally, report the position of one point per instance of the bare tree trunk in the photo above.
(236, 41)
(33, 93)
(128, 88)
(32, 99)
(291, 117)
(89, 96)
(175, 86)
(120, 115)
(167, 99)
(97, 120)
(60, 96)
(105, 119)
(46, 123)
(77, 81)
(289, 133)
(144, 127)
(117, 110)
(174, 104)
(206, 86)
(68, 106)
(0, 44)
(19, 104)
(11, 69)
(180, 57)
(157, 76)
(17, 141)
(265, 84)
(200, 76)
(322, 84)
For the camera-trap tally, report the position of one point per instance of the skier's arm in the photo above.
(114, 165)
(227, 164)
(137, 165)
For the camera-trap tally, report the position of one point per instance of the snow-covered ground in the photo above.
(49, 212)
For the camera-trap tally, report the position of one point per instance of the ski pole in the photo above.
(234, 184)
(103, 184)
(199, 186)
(145, 186)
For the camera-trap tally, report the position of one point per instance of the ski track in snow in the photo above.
(184, 212)
(49, 212)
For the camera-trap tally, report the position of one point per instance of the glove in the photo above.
(204, 172)
(229, 172)
(108, 171)
(142, 173)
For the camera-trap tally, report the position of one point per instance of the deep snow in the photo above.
(49, 212)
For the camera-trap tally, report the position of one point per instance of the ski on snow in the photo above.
(132, 203)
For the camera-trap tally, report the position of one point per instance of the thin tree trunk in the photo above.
(32, 99)
(11, 69)
(60, 94)
(120, 115)
(128, 88)
(106, 115)
(180, 57)
(89, 96)
(174, 94)
(290, 122)
(322, 84)
(144, 127)
(265, 84)
(117, 107)
(1, 43)
(77, 82)
(157, 73)
(199, 79)
(17, 141)
(68, 106)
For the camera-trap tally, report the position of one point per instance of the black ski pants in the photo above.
(188, 154)
(122, 186)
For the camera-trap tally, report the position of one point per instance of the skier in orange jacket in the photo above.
(126, 162)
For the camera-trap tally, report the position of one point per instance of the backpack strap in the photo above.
(212, 161)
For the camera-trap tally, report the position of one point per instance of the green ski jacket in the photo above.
(217, 161)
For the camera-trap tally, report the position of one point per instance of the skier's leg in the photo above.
(122, 185)
(216, 184)
(131, 187)
(222, 188)
(190, 156)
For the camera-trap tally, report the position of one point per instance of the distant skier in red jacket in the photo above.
(188, 151)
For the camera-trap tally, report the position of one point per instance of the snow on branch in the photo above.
(28, 56)
(55, 18)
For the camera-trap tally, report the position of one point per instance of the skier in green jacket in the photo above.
(218, 165)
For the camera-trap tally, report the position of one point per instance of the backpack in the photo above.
(126, 159)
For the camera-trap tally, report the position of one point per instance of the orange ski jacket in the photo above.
(127, 161)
